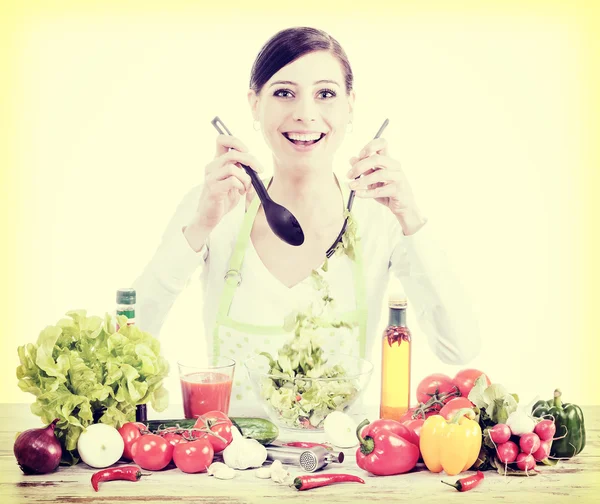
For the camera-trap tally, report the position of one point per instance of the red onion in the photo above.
(38, 451)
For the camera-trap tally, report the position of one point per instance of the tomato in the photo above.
(414, 426)
(130, 432)
(173, 438)
(193, 456)
(152, 452)
(451, 407)
(435, 385)
(219, 423)
(465, 380)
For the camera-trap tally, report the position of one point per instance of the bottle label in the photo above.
(130, 314)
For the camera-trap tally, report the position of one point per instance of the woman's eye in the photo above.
(326, 94)
(283, 93)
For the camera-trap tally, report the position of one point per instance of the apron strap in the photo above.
(360, 292)
(233, 276)
(360, 288)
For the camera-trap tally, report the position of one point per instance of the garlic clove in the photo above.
(226, 473)
(215, 467)
(263, 473)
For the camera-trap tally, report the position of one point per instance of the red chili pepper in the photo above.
(465, 484)
(319, 480)
(304, 444)
(128, 473)
(386, 448)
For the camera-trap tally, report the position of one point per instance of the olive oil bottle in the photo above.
(126, 299)
(395, 363)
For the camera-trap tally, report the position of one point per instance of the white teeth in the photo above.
(308, 137)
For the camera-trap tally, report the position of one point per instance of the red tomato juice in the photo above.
(205, 391)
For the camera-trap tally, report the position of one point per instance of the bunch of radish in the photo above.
(523, 448)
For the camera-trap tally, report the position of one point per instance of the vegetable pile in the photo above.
(82, 371)
(514, 439)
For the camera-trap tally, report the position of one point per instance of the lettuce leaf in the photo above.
(497, 402)
(82, 371)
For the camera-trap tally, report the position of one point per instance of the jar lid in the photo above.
(397, 300)
(126, 296)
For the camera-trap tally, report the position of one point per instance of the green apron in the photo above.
(240, 341)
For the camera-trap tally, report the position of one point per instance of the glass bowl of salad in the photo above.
(298, 391)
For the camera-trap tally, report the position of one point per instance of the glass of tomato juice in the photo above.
(206, 385)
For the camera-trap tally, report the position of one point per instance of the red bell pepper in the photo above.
(385, 448)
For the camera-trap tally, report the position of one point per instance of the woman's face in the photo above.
(304, 110)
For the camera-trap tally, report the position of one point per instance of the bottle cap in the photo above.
(126, 296)
(397, 300)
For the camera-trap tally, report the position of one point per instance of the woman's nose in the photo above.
(304, 110)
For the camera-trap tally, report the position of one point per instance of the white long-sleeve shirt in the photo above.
(433, 290)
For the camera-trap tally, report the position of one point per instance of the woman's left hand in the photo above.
(383, 179)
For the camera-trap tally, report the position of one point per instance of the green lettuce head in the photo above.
(82, 371)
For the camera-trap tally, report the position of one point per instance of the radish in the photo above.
(507, 452)
(525, 462)
(543, 451)
(500, 433)
(545, 430)
(529, 442)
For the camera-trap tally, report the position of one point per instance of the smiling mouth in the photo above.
(307, 140)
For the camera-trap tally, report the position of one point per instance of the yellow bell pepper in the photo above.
(450, 446)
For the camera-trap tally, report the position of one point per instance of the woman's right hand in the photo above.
(225, 182)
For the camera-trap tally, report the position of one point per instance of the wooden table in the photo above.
(575, 481)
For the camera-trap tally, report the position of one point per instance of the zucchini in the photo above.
(261, 429)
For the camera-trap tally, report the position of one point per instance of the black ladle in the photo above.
(280, 219)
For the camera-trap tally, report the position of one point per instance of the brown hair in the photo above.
(289, 45)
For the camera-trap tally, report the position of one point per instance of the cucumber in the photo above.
(184, 423)
(261, 429)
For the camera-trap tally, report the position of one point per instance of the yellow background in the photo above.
(495, 114)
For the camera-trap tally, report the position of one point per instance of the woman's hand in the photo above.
(225, 182)
(383, 179)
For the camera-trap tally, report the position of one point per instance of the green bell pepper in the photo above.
(570, 429)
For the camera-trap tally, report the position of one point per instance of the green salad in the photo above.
(304, 403)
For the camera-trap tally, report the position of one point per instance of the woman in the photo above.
(301, 97)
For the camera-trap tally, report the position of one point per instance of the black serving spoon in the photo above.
(280, 219)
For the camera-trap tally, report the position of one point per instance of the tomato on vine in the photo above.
(193, 456)
(152, 452)
(219, 423)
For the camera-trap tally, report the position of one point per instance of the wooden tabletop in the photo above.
(577, 480)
